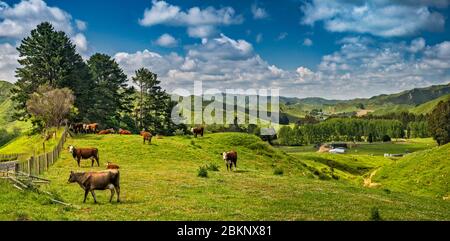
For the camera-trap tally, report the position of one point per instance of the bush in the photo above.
(203, 171)
(213, 167)
(375, 214)
(386, 138)
(278, 171)
(179, 132)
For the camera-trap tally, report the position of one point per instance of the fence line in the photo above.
(11, 156)
(36, 165)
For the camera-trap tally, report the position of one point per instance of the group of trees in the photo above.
(95, 90)
(340, 129)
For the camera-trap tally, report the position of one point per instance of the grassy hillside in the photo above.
(160, 182)
(5, 88)
(7, 110)
(427, 107)
(424, 173)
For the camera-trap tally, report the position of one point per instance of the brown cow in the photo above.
(124, 132)
(85, 153)
(197, 130)
(110, 165)
(90, 128)
(90, 181)
(147, 136)
(230, 158)
(107, 131)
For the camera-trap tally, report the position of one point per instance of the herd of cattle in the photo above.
(109, 179)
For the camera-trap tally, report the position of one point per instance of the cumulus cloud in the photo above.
(166, 40)
(307, 42)
(80, 42)
(81, 25)
(199, 21)
(8, 61)
(379, 18)
(258, 12)
(17, 21)
(360, 68)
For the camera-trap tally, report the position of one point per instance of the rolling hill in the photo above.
(160, 182)
(425, 173)
(7, 110)
(427, 107)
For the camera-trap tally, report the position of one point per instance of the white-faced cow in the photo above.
(85, 153)
(230, 158)
(197, 130)
(90, 181)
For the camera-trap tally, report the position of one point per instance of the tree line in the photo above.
(101, 94)
(341, 129)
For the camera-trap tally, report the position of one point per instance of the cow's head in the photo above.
(72, 177)
(224, 155)
(71, 148)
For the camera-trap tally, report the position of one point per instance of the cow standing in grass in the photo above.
(90, 181)
(198, 130)
(230, 158)
(85, 153)
(147, 136)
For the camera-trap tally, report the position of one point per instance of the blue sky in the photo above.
(335, 49)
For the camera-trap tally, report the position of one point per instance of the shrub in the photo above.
(386, 138)
(213, 167)
(278, 171)
(179, 132)
(375, 214)
(202, 171)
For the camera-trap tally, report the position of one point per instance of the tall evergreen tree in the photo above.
(48, 57)
(154, 104)
(439, 123)
(111, 97)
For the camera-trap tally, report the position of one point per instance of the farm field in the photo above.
(160, 182)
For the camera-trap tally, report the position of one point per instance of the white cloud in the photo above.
(166, 40)
(8, 62)
(80, 42)
(307, 42)
(200, 22)
(258, 13)
(380, 18)
(81, 25)
(360, 68)
(17, 21)
(201, 31)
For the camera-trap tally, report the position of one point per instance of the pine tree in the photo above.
(48, 57)
(111, 97)
(439, 123)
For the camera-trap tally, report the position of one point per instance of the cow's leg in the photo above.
(92, 162)
(78, 161)
(93, 195)
(98, 163)
(118, 193)
(112, 193)
(86, 192)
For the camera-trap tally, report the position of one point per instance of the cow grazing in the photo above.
(197, 130)
(85, 153)
(124, 132)
(90, 128)
(107, 131)
(147, 136)
(230, 158)
(90, 181)
(77, 128)
(110, 165)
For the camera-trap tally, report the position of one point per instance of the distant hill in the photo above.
(427, 107)
(7, 109)
(408, 100)
(425, 173)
